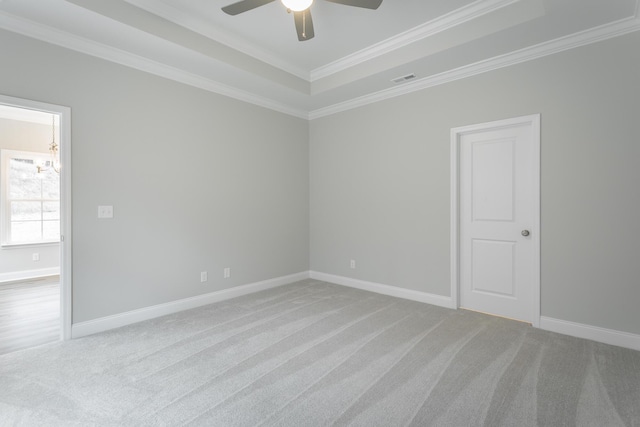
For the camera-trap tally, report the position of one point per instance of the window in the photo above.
(30, 200)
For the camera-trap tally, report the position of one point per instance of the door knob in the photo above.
(525, 233)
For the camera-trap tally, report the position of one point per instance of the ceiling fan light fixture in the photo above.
(297, 5)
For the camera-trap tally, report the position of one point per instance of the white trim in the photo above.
(428, 29)
(102, 324)
(379, 288)
(533, 121)
(201, 26)
(66, 284)
(79, 44)
(29, 274)
(66, 225)
(595, 333)
(536, 227)
(12, 246)
(454, 186)
(594, 35)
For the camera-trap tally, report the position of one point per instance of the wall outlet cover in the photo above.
(105, 212)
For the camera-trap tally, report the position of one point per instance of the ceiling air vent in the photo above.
(404, 78)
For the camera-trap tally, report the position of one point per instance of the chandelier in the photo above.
(54, 163)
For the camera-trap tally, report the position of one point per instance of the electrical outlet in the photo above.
(353, 263)
(35, 257)
(227, 272)
(105, 212)
(203, 276)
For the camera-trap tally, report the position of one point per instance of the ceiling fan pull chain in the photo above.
(304, 25)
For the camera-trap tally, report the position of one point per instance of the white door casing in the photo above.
(495, 197)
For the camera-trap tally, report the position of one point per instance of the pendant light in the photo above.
(54, 163)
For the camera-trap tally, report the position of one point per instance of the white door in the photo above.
(499, 218)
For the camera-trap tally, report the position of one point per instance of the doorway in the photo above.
(35, 212)
(495, 218)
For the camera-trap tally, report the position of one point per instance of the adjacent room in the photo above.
(328, 212)
(30, 229)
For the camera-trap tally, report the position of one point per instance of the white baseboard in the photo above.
(595, 333)
(379, 288)
(102, 324)
(81, 329)
(606, 336)
(29, 274)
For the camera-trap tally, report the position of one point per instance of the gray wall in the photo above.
(198, 181)
(380, 181)
(202, 182)
(25, 136)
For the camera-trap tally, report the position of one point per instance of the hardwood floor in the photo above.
(29, 313)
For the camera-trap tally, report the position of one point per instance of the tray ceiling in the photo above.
(355, 55)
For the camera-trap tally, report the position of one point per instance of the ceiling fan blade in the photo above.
(304, 25)
(367, 4)
(244, 5)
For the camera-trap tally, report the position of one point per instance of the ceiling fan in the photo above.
(301, 11)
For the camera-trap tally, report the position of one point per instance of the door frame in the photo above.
(65, 203)
(456, 133)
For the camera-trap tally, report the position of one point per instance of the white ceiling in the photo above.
(256, 57)
(26, 115)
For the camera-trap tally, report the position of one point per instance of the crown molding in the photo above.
(174, 15)
(597, 34)
(61, 38)
(57, 37)
(428, 29)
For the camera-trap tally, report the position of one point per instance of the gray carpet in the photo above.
(317, 354)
